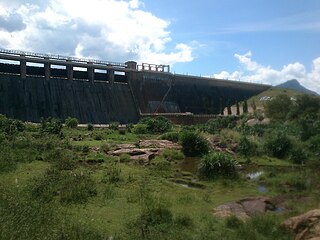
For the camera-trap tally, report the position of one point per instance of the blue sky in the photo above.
(250, 40)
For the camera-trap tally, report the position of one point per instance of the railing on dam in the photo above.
(61, 58)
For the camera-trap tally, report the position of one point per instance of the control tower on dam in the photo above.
(35, 86)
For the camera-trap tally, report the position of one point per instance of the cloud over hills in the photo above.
(104, 29)
(252, 71)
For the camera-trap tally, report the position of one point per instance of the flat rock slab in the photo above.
(245, 208)
(165, 144)
(145, 150)
(305, 226)
(230, 209)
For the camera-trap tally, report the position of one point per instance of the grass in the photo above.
(268, 161)
(125, 191)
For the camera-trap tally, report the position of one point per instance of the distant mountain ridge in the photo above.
(295, 85)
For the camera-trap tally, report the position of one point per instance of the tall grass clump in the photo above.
(217, 164)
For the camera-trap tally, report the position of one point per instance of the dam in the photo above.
(35, 86)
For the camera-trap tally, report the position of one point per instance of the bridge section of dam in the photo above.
(35, 86)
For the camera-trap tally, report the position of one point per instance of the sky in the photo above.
(261, 41)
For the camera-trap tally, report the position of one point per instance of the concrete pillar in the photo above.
(111, 76)
(90, 70)
(47, 69)
(23, 67)
(131, 65)
(70, 71)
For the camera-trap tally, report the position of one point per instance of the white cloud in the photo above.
(116, 30)
(252, 71)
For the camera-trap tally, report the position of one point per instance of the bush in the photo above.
(277, 145)
(216, 125)
(10, 126)
(246, 147)
(51, 126)
(71, 122)
(298, 155)
(157, 125)
(140, 129)
(114, 126)
(314, 145)
(193, 144)
(217, 164)
(90, 127)
(171, 136)
(278, 107)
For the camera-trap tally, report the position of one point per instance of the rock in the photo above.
(125, 145)
(265, 121)
(145, 151)
(245, 208)
(305, 226)
(254, 206)
(231, 209)
(165, 144)
(253, 122)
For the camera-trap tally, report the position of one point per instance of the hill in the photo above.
(295, 85)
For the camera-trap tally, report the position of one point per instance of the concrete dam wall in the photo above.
(35, 86)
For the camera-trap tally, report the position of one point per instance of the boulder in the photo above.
(305, 226)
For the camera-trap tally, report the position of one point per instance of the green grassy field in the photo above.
(50, 189)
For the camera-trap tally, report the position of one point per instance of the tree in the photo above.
(278, 107)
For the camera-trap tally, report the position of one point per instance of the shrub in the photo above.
(51, 126)
(114, 126)
(246, 147)
(71, 122)
(256, 130)
(171, 136)
(277, 145)
(298, 155)
(278, 107)
(140, 129)
(193, 144)
(217, 164)
(157, 125)
(314, 145)
(10, 126)
(90, 127)
(217, 124)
